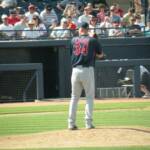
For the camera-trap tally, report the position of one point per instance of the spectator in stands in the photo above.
(30, 32)
(105, 25)
(96, 3)
(20, 26)
(6, 29)
(133, 29)
(114, 15)
(86, 17)
(63, 4)
(31, 12)
(13, 17)
(91, 9)
(145, 81)
(119, 11)
(62, 31)
(40, 27)
(101, 13)
(47, 15)
(71, 24)
(137, 6)
(53, 25)
(71, 10)
(127, 16)
(19, 11)
(138, 21)
(116, 30)
(9, 3)
(94, 28)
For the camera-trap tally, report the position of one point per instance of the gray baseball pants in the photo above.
(82, 78)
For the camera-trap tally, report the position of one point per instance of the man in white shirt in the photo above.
(116, 30)
(86, 17)
(62, 31)
(61, 5)
(31, 12)
(48, 15)
(30, 32)
(6, 29)
(9, 3)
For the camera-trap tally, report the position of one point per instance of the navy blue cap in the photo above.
(84, 25)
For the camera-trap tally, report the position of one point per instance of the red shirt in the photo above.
(120, 12)
(72, 26)
(13, 20)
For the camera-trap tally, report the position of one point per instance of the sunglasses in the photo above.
(94, 20)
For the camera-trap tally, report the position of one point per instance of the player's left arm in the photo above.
(99, 51)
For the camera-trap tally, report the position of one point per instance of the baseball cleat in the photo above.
(90, 127)
(73, 127)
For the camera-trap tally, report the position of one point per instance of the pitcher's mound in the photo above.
(99, 137)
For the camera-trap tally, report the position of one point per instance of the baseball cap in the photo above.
(84, 25)
(31, 6)
(48, 7)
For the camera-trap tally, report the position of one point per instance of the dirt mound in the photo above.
(99, 137)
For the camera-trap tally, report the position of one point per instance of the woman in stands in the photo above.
(94, 27)
(71, 10)
(40, 26)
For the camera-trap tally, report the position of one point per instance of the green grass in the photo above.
(64, 107)
(39, 122)
(34, 119)
(95, 148)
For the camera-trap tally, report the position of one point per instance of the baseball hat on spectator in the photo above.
(31, 6)
(4, 16)
(84, 25)
(48, 7)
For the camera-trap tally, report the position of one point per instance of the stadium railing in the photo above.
(103, 34)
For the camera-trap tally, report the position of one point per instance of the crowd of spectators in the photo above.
(39, 19)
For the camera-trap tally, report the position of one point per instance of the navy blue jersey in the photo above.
(84, 50)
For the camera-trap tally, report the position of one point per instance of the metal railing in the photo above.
(47, 34)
